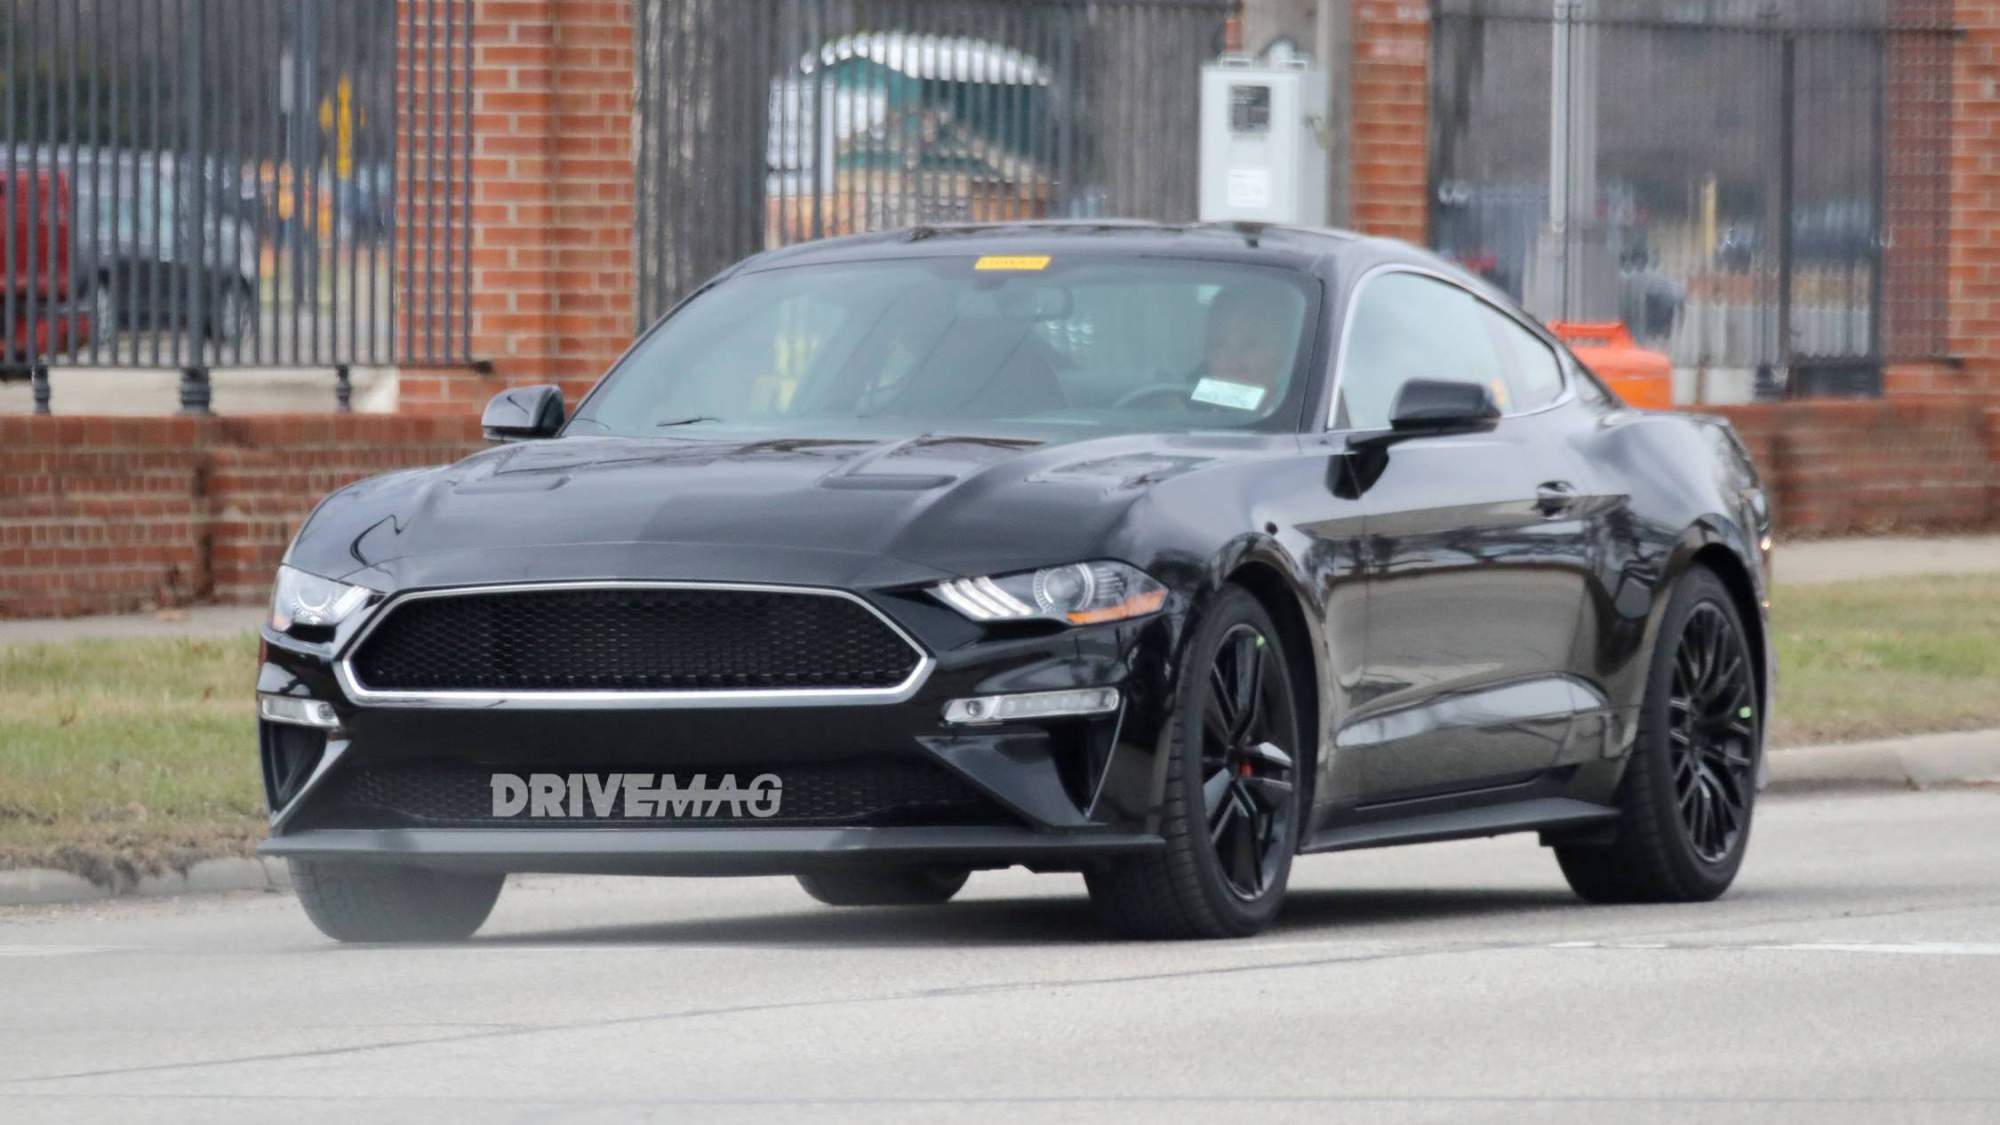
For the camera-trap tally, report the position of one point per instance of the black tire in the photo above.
(915, 886)
(380, 902)
(235, 303)
(104, 324)
(1664, 850)
(1187, 890)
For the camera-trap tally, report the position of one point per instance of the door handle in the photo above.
(1555, 497)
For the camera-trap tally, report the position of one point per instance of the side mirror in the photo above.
(523, 413)
(1442, 406)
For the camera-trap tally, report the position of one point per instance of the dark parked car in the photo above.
(149, 228)
(1160, 554)
(147, 236)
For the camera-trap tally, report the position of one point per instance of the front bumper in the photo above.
(709, 851)
(1049, 794)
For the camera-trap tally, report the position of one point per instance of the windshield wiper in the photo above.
(689, 421)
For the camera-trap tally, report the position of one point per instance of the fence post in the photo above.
(1787, 197)
(193, 174)
(39, 376)
(302, 234)
(195, 392)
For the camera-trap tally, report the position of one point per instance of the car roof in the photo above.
(1300, 248)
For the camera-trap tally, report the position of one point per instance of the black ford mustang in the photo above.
(1158, 553)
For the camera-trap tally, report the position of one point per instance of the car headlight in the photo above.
(307, 599)
(1076, 593)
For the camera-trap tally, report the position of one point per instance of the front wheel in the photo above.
(1233, 798)
(380, 902)
(1691, 786)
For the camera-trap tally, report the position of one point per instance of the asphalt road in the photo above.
(1853, 975)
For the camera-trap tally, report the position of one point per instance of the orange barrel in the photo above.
(1642, 378)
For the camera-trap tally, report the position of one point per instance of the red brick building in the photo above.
(102, 515)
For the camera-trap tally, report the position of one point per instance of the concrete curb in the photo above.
(1918, 762)
(42, 885)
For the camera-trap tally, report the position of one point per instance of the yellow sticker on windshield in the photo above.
(1012, 262)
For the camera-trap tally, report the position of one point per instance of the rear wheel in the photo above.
(232, 314)
(1691, 786)
(1233, 791)
(380, 902)
(924, 886)
(103, 313)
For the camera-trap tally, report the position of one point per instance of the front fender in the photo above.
(1710, 540)
(1260, 563)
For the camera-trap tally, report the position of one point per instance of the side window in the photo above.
(1533, 374)
(1406, 326)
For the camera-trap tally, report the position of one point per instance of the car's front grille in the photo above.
(859, 792)
(632, 638)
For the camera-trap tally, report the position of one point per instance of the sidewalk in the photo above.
(1815, 562)
(200, 621)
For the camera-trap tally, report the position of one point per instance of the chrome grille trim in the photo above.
(361, 694)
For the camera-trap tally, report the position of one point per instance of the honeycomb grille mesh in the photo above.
(632, 639)
(866, 792)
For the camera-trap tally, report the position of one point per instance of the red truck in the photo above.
(45, 309)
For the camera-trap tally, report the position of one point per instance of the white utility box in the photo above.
(1263, 142)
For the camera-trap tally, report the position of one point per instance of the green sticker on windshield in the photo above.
(1235, 396)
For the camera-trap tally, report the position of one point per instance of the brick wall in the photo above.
(1917, 141)
(105, 515)
(551, 149)
(1993, 462)
(1842, 466)
(108, 515)
(1391, 172)
(1975, 198)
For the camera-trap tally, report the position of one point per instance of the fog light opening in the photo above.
(1032, 705)
(291, 756)
(297, 712)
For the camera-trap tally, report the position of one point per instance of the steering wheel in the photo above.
(1153, 390)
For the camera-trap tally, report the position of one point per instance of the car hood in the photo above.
(817, 510)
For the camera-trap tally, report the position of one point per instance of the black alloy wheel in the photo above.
(1234, 790)
(1690, 785)
(1247, 791)
(1710, 715)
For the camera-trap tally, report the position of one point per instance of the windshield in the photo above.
(1112, 344)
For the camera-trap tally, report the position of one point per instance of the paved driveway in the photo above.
(1853, 976)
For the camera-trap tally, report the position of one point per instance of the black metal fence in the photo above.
(204, 183)
(1757, 187)
(766, 122)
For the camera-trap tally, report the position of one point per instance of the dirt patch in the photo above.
(118, 855)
